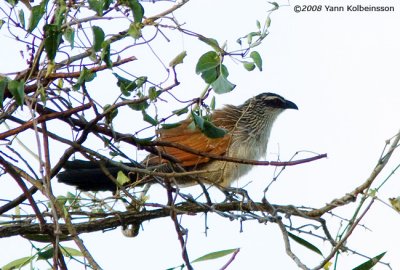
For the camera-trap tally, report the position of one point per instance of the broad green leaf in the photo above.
(18, 263)
(16, 89)
(149, 119)
(305, 243)
(69, 35)
(216, 255)
(178, 59)
(154, 93)
(370, 263)
(2, 22)
(207, 61)
(208, 128)
(212, 42)
(137, 10)
(222, 85)
(52, 40)
(140, 81)
(98, 38)
(21, 17)
(257, 59)
(139, 106)
(209, 76)
(36, 15)
(97, 5)
(249, 66)
(212, 131)
(135, 30)
(126, 86)
(122, 178)
(3, 84)
(85, 76)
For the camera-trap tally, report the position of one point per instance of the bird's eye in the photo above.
(274, 102)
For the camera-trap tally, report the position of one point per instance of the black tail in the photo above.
(88, 176)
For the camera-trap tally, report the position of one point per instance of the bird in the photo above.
(247, 128)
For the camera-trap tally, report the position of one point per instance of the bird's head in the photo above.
(271, 100)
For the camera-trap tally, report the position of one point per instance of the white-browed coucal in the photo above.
(248, 129)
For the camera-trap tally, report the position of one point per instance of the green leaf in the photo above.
(3, 84)
(212, 131)
(135, 30)
(16, 89)
(169, 126)
(137, 9)
(36, 15)
(18, 263)
(249, 66)
(178, 59)
(2, 22)
(208, 128)
(21, 17)
(70, 252)
(60, 14)
(222, 85)
(52, 40)
(154, 93)
(149, 119)
(105, 54)
(126, 86)
(268, 22)
(209, 76)
(180, 111)
(212, 42)
(98, 38)
(370, 263)
(111, 114)
(275, 4)
(305, 243)
(257, 59)
(212, 104)
(216, 255)
(97, 5)
(139, 106)
(207, 61)
(198, 121)
(122, 178)
(46, 254)
(140, 81)
(85, 76)
(69, 35)
(62, 200)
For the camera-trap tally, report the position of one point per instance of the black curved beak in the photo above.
(291, 105)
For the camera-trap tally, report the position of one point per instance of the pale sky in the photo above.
(341, 69)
